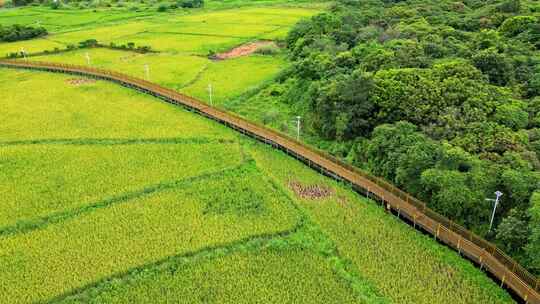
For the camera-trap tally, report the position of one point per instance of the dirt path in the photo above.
(243, 50)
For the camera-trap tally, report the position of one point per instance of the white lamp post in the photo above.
(498, 194)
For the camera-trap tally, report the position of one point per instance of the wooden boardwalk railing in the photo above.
(487, 255)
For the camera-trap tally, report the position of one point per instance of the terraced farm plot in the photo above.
(128, 199)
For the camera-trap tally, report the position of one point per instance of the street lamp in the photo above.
(298, 127)
(147, 72)
(498, 194)
(210, 93)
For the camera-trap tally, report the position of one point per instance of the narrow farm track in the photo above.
(485, 254)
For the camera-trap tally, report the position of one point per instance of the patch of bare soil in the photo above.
(243, 50)
(312, 192)
(80, 81)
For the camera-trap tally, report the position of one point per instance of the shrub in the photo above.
(496, 66)
(162, 8)
(510, 6)
(192, 3)
(519, 24)
(55, 4)
(269, 49)
(88, 43)
(19, 32)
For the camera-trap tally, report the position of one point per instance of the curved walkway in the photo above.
(509, 272)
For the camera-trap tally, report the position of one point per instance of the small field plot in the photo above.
(102, 34)
(277, 16)
(173, 71)
(245, 277)
(63, 20)
(192, 44)
(232, 77)
(29, 46)
(51, 106)
(212, 29)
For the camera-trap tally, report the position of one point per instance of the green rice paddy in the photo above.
(111, 196)
(114, 197)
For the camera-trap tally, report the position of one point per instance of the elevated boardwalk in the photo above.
(482, 252)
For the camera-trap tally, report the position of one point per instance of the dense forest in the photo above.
(440, 97)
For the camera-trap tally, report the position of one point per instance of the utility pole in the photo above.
(210, 94)
(87, 58)
(147, 71)
(298, 127)
(498, 194)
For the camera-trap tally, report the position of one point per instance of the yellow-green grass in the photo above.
(29, 46)
(404, 265)
(279, 34)
(211, 29)
(98, 198)
(45, 106)
(188, 74)
(197, 32)
(173, 71)
(277, 16)
(245, 277)
(183, 43)
(102, 34)
(232, 77)
(62, 20)
(74, 174)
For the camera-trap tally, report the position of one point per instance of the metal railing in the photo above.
(486, 254)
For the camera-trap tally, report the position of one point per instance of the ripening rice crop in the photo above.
(170, 70)
(173, 219)
(404, 265)
(46, 106)
(245, 277)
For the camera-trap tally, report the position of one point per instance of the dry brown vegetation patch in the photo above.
(312, 192)
(80, 81)
(243, 50)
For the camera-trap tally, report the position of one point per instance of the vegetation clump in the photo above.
(18, 32)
